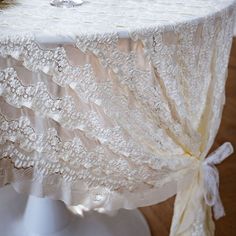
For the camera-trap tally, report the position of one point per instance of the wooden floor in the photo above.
(159, 216)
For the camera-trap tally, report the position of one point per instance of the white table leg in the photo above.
(45, 217)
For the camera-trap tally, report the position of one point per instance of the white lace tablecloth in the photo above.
(115, 104)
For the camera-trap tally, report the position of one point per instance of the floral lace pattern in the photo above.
(58, 156)
(141, 84)
(102, 16)
(120, 113)
(64, 111)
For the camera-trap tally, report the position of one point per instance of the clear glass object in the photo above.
(66, 3)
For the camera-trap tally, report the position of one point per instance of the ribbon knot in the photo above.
(211, 178)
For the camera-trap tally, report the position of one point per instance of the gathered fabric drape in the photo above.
(105, 119)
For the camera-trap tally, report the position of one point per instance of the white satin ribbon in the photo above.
(211, 178)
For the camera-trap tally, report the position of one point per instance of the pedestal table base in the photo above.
(22, 216)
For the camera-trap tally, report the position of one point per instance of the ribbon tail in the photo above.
(218, 209)
(211, 178)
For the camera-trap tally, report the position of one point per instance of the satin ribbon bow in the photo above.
(211, 178)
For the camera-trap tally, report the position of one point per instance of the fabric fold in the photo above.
(192, 213)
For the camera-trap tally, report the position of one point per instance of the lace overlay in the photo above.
(117, 111)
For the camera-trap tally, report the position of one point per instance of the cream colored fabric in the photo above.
(107, 106)
(192, 214)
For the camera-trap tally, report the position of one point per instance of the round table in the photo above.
(115, 104)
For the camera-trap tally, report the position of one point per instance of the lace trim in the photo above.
(39, 99)
(89, 165)
(54, 62)
(91, 175)
(54, 155)
(63, 110)
(77, 192)
(147, 92)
